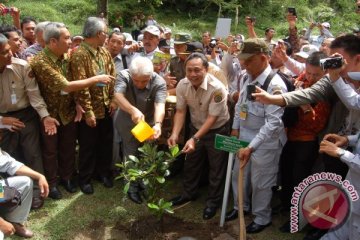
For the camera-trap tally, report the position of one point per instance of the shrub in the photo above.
(150, 168)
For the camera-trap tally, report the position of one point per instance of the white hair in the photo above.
(93, 26)
(52, 30)
(3, 39)
(40, 27)
(141, 66)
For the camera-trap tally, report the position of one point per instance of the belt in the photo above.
(212, 130)
(19, 111)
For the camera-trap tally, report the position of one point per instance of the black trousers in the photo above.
(58, 153)
(95, 153)
(195, 161)
(296, 162)
(24, 145)
(335, 165)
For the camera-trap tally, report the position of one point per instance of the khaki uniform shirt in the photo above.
(18, 89)
(87, 62)
(51, 74)
(218, 73)
(177, 68)
(209, 99)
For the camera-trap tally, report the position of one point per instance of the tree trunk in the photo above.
(219, 13)
(236, 18)
(102, 7)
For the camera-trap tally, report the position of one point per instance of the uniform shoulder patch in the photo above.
(218, 96)
(276, 90)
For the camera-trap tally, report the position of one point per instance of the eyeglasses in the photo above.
(106, 33)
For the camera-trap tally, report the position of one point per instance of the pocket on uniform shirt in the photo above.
(192, 103)
(204, 107)
(257, 110)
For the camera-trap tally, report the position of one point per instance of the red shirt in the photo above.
(311, 123)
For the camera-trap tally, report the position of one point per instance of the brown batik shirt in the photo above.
(51, 74)
(87, 62)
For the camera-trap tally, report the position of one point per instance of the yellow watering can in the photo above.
(142, 131)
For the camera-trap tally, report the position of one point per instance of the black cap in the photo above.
(194, 47)
(163, 43)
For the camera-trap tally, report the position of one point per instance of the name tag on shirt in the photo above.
(243, 111)
(13, 98)
(1, 192)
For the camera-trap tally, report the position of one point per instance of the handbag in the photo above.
(11, 198)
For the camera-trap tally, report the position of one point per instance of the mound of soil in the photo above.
(172, 228)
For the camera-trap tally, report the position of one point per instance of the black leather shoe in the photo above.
(135, 197)
(87, 188)
(209, 212)
(55, 193)
(37, 203)
(68, 185)
(107, 182)
(285, 228)
(179, 200)
(231, 215)
(256, 228)
(315, 234)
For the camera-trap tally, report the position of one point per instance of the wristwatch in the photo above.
(340, 152)
(196, 140)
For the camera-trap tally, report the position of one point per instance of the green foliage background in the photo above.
(196, 16)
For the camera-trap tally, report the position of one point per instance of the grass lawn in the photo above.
(107, 213)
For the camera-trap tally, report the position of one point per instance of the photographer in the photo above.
(324, 29)
(230, 65)
(150, 42)
(269, 32)
(13, 11)
(293, 34)
(340, 120)
(217, 48)
(333, 145)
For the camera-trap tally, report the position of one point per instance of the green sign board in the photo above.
(229, 144)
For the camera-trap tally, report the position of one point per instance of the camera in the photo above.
(140, 50)
(252, 18)
(331, 63)
(7, 10)
(213, 42)
(292, 10)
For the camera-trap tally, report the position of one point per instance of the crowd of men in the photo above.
(58, 90)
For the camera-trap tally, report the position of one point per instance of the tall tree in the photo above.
(102, 7)
(234, 5)
(219, 3)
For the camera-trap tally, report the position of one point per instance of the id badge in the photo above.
(100, 72)
(1, 192)
(243, 111)
(13, 98)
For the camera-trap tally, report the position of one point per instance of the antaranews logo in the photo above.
(323, 200)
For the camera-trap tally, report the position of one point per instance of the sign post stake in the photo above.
(226, 190)
(231, 145)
